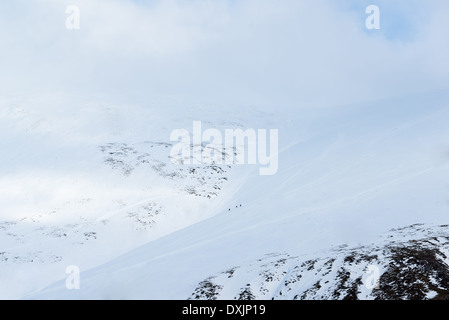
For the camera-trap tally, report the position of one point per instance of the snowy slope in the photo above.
(353, 181)
(83, 184)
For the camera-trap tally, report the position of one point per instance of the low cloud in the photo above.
(274, 53)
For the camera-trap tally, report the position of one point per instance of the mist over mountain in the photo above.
(88, 181)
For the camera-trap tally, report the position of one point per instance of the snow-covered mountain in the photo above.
(355, 94)
(91, 184)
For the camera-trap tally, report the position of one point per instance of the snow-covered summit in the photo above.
(140, 226)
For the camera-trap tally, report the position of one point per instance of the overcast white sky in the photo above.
(277, 53)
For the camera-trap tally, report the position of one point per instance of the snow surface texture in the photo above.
(92, 185)
(411, 263)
